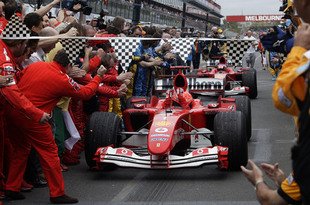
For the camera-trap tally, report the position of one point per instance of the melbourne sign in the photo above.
(254, 18)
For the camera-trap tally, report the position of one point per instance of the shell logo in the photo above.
(161, 130)
(163, 124)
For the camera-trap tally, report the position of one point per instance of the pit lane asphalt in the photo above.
(272, 137)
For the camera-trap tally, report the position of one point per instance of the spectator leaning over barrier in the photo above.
(34, 22)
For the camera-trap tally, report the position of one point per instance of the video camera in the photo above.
(100, 21)
(70, 4)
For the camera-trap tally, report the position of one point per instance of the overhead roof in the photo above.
(204, 7)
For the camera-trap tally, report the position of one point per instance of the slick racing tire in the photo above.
(102, 130)
(243, 104)
(229, 131)
(249, 79)
(130, 104)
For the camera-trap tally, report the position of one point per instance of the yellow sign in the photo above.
(163, 124)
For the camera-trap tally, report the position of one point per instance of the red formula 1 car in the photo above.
(174, 132)
(217, 79)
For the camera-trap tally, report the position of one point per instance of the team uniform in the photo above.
(12, 97)
(3, 23)
(43, 84)
(109, 100)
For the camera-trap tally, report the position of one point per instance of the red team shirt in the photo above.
(45, 83)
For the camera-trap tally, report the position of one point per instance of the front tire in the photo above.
(102, 130)
(229, 131)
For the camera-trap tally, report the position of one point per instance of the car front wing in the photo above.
(125, 157)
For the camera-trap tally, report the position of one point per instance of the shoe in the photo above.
(40, 181)
(64, 199)
(26, 187)
(14, 195)
(64, 168)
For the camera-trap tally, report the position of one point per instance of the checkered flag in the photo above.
(15, 29)
(282, 57)
(182, 46)
(124, 49)
(73, 47)
(237, 49)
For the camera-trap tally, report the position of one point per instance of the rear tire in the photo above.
(102, 130)
(243, 104)
(249, 79)
(229, 131)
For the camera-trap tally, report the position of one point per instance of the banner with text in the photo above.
(254, 18)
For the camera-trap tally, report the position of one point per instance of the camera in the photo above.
(100, 21)
(71, 4)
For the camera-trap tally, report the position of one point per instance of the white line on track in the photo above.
(130, 187)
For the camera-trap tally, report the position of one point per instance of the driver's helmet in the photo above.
(181, 97)
(222, 60)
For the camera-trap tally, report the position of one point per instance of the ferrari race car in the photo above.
(175, 132)
(218, 78)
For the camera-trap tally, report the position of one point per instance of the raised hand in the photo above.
(273, 172)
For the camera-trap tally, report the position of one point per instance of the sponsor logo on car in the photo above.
(160, 139)
(160, 135)
(124, 152)
(163, 124)
(161, 130)
(200, 152)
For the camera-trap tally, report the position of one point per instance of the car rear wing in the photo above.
(194, 84)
